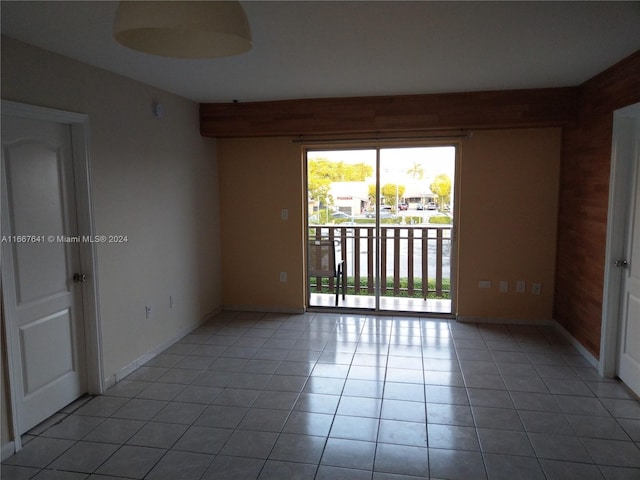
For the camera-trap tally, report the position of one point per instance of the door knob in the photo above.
(79, 277)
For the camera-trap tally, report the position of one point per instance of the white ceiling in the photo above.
(305, 49)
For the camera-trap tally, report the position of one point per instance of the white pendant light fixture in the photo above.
(183, 29)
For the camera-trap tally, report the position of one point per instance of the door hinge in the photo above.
(621, 263)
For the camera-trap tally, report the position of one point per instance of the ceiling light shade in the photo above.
(183, 29)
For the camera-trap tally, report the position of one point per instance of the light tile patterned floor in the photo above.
(330, 397)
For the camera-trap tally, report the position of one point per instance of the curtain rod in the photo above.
(381, 139)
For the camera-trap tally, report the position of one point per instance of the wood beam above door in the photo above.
(471, 110)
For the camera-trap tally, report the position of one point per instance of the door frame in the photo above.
(620, 195)
(79, 126)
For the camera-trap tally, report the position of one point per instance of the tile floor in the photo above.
(327, 396)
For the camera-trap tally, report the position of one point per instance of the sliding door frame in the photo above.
(378, 145)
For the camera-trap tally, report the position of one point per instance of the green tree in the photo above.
(358, 172)
(441, 186)
(416, 172)
(392, 192)
(319, 178)
(388, 193)
(321, 173)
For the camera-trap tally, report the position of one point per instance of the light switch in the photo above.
(284, 214)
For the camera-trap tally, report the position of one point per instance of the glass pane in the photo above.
(416, 220)
(340, 189)
(394, 241)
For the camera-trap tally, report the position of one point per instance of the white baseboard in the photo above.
(577, 345)
(7, 450)
(133, 366)
(542, 322)
(504, 321)
(253, 308)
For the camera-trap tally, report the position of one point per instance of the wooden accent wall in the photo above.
(494, 109)
(584, 196)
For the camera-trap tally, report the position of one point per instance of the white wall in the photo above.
(154, 180)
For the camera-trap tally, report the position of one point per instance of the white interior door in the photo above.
(629, 345)
(43, 304)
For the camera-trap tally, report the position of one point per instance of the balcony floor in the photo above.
(392, 304)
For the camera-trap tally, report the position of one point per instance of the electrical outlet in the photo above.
(484, 284)
(536, 288)
(504, 286)
(521, 286)
(147, 311)
(284, 214)
(283, 277)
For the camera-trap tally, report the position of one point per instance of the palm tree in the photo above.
(416, 171)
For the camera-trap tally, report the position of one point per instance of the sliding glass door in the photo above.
(388, 214)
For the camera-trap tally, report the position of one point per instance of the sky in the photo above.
(395, 162)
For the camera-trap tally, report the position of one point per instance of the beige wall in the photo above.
(259, 178)
(154, 180)
(507, 219)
